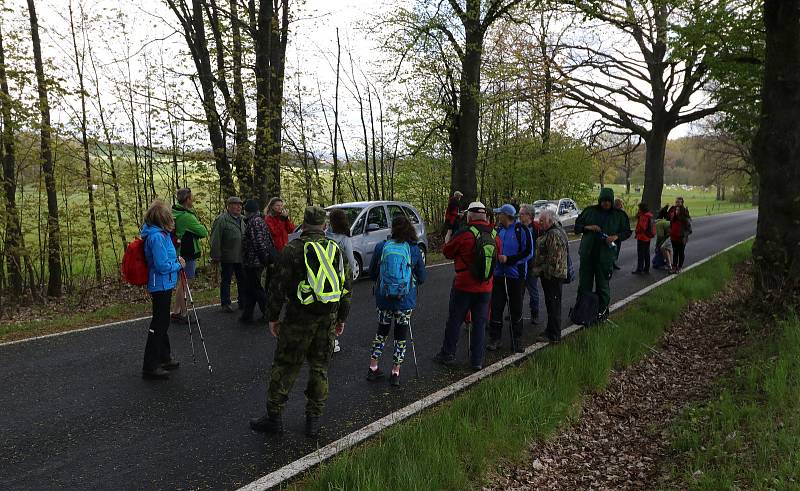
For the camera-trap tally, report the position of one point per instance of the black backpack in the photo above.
(586, 309)
(482, 267)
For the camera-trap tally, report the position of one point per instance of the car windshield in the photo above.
(352, 212)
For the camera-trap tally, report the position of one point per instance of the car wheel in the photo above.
(357, 267)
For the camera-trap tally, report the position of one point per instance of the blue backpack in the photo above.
(395, 277)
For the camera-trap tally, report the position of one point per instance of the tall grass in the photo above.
(748, 436)
(453, 445)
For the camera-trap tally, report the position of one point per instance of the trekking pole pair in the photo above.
(187, 294)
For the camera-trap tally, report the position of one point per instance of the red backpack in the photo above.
(134, 265)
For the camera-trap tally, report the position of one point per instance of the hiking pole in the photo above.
(188, 316)
(197, 323)
(413, 347)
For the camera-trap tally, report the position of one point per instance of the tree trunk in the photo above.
(336, 194)
(277, 66)
(54, 281)
(261, 24)
(13, 231)
(79, 67)
(776, 152)
(654, 165)
(628, 184)
(466, 156)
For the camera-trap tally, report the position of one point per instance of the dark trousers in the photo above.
(643, 255)
(157, 350)
(552, 301)
(532, 285)
(229, 270)
(511, 290)
(462, 302)
(678, 254)
(251, 292)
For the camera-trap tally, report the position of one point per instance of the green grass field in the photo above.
(701, 202)
(748, 435)
(454, 445)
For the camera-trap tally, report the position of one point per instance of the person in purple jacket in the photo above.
(163, 268)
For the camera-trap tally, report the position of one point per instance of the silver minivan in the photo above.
(371, 222)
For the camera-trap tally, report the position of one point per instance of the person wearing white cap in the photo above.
(509, 277)
(473, 250)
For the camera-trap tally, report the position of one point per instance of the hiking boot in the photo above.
(312, 426)
(269, 423)
(374, 374)
(518, 347)
(636, 272)
(179, 319)
(227, 309)
(444, 359)
(493, 345)
(155, 374)
(171, 365)
(394, 379)
(476, 368)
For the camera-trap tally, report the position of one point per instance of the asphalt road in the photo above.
(76, 413)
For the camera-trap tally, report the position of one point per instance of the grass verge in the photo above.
(748, 436)
(454, 445)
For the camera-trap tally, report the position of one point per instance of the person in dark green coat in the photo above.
(601, 225)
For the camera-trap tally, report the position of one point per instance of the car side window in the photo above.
(358, 229)
(377, 216)
(394, 211)
(411, 215)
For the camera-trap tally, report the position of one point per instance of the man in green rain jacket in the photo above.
(601, 225)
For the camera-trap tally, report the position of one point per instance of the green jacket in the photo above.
(552, 249)
(290, 271)
(226, 238)
(186, 221)
(611, 222)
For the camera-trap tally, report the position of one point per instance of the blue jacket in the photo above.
(162, 262)
(418, 272)
(517, 247)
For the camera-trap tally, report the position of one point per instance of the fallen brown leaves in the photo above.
(621, 441)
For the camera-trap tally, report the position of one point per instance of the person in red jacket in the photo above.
(679, 231)
(645, 231)
(451, 215)
(469, 292)
(280, 226)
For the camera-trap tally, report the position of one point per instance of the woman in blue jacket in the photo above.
(397, 268)
(163, 267)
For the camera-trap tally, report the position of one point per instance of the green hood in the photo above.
(606, 194)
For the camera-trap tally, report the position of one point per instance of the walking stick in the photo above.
(413, 347)
(185, 281)
(196, 321)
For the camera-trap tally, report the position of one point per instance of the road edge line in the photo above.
(303, 464)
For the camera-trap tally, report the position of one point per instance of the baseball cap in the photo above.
(506, 209)
(477, 206)
(234, 200)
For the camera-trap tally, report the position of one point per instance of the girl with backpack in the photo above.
(645, 231)
(397, 268)
(163, 269)
(339, 231)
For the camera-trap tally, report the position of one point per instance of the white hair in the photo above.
(547, 214)
(527, 209)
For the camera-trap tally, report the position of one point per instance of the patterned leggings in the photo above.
(402, 319)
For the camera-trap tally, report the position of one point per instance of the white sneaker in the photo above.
(336, 347)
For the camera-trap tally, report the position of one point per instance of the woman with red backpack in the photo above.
(645, 231)
(163, 269)
(397, 268)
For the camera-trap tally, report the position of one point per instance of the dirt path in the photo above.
(620, 440)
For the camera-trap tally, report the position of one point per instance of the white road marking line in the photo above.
(313, 459)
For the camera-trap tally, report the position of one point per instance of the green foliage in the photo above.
(748, 435)
(454, 445)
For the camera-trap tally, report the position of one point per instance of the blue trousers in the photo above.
(532, 285)
(229, 270)
(460, 303)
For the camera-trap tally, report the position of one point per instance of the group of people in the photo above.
(671, 229)
(310, 277)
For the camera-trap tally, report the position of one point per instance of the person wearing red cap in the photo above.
(474, 250)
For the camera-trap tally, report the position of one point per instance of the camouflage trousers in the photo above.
(298, 340)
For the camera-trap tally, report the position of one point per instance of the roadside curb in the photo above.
(294, 469)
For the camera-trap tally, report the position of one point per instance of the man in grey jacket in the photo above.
(226, 248)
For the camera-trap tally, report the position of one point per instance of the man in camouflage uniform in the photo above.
(309, 326)
(550, 264)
